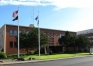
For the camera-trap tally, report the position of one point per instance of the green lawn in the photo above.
(56, 56)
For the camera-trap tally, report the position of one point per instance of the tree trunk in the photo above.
(27, 51)
(67, 49)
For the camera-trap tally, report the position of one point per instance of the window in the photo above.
(27, 32)
(44, 33)
(15, 32)
(11, 32)
(56, 34)
(11, 44)
(61, 35)
(0, 44)
(2, 33)
(19, 31)
(52, 33)
(52, 43)
(23, 30)
(15, 44)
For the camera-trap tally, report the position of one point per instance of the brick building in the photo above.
(8, 41)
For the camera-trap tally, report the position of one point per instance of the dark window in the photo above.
(15, 32)
(27, 32)
(11, 44)
(11, 32)
(44, 33)
(52, 43)
(15, 44)
(23, 30)
(2, 33)
(20, 31)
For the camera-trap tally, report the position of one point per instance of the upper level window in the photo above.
(20, 31)
(62, 35)
(27, 32)
(2, 33)
(15, 32)
(44, 33)
(11, 32)
(52, 33)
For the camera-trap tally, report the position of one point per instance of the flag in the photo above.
(16, 18)
(15, 15)
(38, 22)
(36, 18)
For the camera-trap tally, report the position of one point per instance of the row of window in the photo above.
(62, 35)
(51, 43)
(52, 34)
(13, 44)
(15, 32)
(90, 37)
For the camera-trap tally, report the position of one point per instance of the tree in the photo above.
(70, 40)
(33, 38)
(23, 39)
(65, 40)
(73, 39)
(82, 41)
(30, 40)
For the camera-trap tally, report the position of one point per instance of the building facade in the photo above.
(8, 42)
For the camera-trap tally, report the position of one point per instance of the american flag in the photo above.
(15, 14)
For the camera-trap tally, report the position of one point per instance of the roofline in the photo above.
(37, 27)
(85, 30)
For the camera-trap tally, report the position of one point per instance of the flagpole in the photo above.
(38, 35)
(33, 15)
(18, 34)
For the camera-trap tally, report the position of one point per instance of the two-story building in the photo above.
(8, 41)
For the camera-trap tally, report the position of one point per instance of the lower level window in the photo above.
(11, 44)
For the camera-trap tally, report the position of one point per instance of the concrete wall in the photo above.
(2, 38)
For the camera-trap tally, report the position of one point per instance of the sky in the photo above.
(71, 15)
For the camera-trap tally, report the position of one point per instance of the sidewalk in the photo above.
(6, 61)
(15, 61)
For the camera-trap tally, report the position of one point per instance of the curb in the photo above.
(1, 61)
(19, 62)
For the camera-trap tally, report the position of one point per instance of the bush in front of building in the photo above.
(15, 55)
(3, 55)
(42, 51)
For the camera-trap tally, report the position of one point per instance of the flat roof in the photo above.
(37, 27)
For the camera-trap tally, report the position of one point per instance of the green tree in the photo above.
(69, 40)
(23, 41)
(65, 40)
(33, 38)
(30, 40)
(82, 41)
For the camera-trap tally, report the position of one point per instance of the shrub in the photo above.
(31, 52)
(15, 55)
(42, 51)
(3, 55)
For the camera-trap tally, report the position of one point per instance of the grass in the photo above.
(55, 56)
(45, 57)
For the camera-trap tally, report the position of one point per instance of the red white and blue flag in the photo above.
(15, 15)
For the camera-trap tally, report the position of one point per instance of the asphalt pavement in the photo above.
(78, 61)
